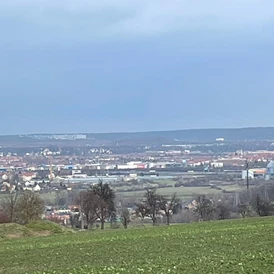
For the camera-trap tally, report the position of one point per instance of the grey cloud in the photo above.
(42, 21)
(161, 15)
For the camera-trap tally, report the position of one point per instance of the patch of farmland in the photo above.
(234, 246)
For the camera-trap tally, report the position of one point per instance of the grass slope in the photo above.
(237, 246)
(46, 226)
(10, 231)
(38, 228)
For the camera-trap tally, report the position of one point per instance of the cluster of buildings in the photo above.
(47, 166)
(103, 159)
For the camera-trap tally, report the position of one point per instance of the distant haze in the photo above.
(95, 66)
(155, 137)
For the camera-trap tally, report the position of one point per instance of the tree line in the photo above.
(99, 204)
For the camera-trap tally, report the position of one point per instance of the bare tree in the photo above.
(262, 207)
(152, 202)
(205, 208)
(9, 205)
(223, 210)
(243, 203)
(141, 211)
(169, 206)
(244, 209)
(104, 203)
(31, 207)
(88, 203)
(125, 217)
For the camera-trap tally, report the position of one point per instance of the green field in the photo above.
(237, 246)
(182, 192)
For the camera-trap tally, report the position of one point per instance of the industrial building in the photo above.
(254, 173)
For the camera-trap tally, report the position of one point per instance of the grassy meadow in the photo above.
(233, 246)
(183, 193)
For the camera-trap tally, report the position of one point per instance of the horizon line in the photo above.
(136, 132)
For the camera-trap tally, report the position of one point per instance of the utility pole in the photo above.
(50, 169)
(247, 175)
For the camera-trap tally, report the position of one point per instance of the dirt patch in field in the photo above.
(14, 236)
(42, 233)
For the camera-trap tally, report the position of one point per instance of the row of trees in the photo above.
(98, 203)
(250, 203)
(21, 208)
(155, 205)
(258, 201)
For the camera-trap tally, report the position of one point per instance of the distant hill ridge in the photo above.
(232, 134)
(189, 135)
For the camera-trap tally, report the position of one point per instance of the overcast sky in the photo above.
(138, 65)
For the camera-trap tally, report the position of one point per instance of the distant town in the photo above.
(60, 166)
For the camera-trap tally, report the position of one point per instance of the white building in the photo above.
(217, 164)
(250, 174)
